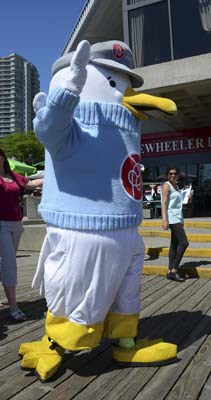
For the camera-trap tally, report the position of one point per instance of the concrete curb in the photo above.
(32, 221)
(192, 237)
(195, 272)
(187, 224)
(190, 252)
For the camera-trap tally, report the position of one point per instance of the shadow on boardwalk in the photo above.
(34, 310)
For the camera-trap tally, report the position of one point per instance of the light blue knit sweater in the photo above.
(91, 179)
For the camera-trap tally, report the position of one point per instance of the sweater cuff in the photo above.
(63, 98)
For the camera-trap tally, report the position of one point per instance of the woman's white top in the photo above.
(174, 205)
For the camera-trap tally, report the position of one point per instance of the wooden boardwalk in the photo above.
(178, 312)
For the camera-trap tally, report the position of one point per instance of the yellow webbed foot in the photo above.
(146, 352)
(45, 366)
(33, 347)
(43, 357)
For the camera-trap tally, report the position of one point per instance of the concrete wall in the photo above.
(183, 71)
(32, 237)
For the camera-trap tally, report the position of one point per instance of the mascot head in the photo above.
(111, 79)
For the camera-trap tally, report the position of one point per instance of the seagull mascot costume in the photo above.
(91, 260)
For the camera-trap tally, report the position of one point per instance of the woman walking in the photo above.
(172, 218)
(12, 185)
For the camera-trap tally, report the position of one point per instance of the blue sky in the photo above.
(38, 31)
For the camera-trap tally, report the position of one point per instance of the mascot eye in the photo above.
(111, 82)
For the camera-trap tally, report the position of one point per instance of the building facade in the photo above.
(171, 43)
(19, 82)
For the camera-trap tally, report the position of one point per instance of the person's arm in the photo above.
(34, 183)
(165, 195)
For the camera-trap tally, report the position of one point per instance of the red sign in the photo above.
(165, 143)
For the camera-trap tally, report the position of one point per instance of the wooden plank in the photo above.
(21, 334)
(153, 318)
(10, 355)
(176, 310)
(206, 391)
(194, 377)
(131, 382)
(13, 380)
(155, 394)
(124, 388)
(151, 283)
(147, 278)
(198, 328)
(168, 294)
(73, 377)
(97, 386)
(158, 284)
(161, 385)
(36, 312)
(177, 314)
(27, 392)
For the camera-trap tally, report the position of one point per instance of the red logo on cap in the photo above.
(118, 50)
(131, 176)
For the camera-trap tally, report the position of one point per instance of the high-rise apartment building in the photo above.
(19, 82)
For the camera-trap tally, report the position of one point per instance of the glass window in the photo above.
(148, 174)
(132, 2)
(191, 170)
(205, 174)
(141, 2)
(191, 27)
(149, 34)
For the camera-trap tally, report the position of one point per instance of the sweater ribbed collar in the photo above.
(108, 114)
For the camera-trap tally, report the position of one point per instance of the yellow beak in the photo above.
(138, 102)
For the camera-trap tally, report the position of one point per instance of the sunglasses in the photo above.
(173, 173)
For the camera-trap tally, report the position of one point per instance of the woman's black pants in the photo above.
(178, 245)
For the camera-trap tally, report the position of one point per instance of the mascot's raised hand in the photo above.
(91, 259)
(74, 77)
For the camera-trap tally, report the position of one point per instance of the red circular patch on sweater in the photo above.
(131, 176)
(118, 50)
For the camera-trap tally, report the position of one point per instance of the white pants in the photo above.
(10, 234)
(87, 274)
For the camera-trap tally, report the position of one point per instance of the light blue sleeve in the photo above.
(53, 123)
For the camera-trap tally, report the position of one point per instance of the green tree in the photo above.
(23, 146)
